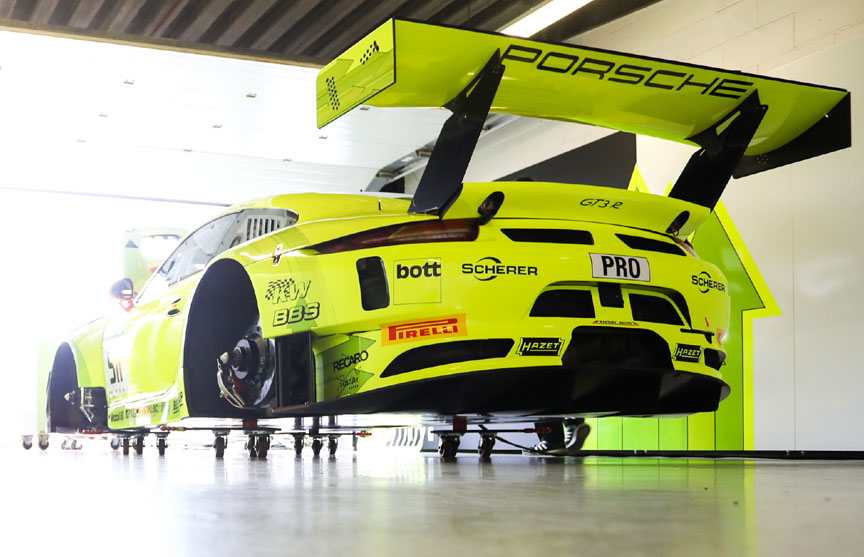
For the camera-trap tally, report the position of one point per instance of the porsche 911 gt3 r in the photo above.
(496, 299)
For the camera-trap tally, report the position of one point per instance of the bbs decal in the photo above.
(287, 316)
(620, 267)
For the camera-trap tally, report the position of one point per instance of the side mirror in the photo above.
(123, 289)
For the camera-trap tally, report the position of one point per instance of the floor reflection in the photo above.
(392, 503)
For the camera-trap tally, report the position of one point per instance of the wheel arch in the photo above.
(223, 298)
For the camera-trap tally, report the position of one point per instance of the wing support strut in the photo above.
(441, 183)
(722, 146)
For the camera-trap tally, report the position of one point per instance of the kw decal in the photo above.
(540, 346)
(428, 329)
(286, 290)
(488, 268)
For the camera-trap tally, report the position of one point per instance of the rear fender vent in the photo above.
(260, 226)
(374, 292)
(564, 303)
(653, 309)
(649, 244)
(549, 236)
(448, 353)
(714, 358)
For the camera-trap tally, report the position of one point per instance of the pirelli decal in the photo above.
(417, 330)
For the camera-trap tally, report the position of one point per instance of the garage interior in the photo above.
(158, 114)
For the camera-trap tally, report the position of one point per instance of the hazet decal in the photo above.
(688, 353)
(540, 346)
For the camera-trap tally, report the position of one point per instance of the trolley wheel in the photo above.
(484, 448)
(250, 446)
(262, 445)
(332, 445)
(43, 444)
(64, 444)
(316, 446)
(138, 445)
(115, 443)
(448, 445)
(219, 446)
(27, 442)
(298, 445)
(125, 446)
(161, 445)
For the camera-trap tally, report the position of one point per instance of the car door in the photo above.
(142, 347)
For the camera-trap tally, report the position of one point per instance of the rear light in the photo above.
(688, 247)
(427, 231)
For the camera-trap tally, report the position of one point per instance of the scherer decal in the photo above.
(341, 367)
(705, 283)
(425, 329)
(488, 268)
(286, 290)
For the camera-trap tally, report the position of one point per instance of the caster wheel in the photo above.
(43, 444)
(298, 446)
(250, 446)
(77, 445)
(64, 445)
(262, 445)
(27, 442)
(125, 445)
(115, 443)
(161, 445)
(138, 445)
(316, 446)
(219, 446)
(448, 446)
(332, 445)
(484, 448)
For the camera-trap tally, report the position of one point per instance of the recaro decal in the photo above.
(628, 74)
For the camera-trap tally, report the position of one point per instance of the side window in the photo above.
(253, 223)
(190, 256)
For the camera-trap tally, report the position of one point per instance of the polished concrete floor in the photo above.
(98, 502)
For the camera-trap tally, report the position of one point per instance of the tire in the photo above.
(27, 443)
(161, 445)
(43, 445)
(138, 444)
(484, 448)
(316, 447)
(448, 446)
(332, 445)
(262, 445)
(219, 446)
(115, 443)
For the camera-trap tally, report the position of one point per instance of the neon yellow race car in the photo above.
(496, 300)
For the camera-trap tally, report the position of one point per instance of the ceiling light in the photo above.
(251, 95)
(409, 158)
(217, 126)
(322, 137)
(103, 114)
(128, 82)
(543, 17)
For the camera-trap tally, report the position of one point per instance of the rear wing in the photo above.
(743, 123)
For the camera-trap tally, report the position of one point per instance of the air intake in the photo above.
(448, 353)
(549, 236)
(649, 244)
(564, 303)
(653, 309)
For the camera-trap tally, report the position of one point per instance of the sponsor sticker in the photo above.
(488, 268)
(688, 353)
(616, 323)
(620, 267)
(287, 316)
(704, 283)
(540, 346)
(417, 281)
(417, 330)
(286, 290)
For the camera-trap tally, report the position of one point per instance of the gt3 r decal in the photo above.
(286, 290)
(489, 268)
(540, 346)
(428, 329)
(601, 203)
(287, 316)
(620, 267)
(705, 283)
(688, 353)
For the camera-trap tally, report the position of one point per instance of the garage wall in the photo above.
(800, 223)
